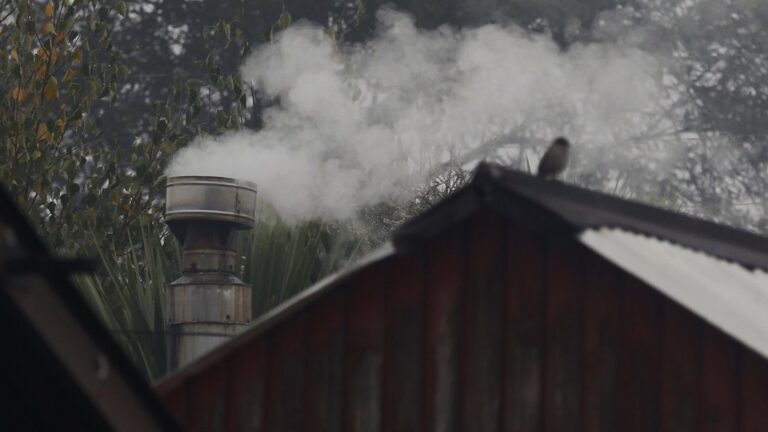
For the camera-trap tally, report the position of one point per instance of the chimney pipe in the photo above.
(208, 304)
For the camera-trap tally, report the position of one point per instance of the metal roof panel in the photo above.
(729, 296)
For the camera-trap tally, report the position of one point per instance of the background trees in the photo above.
(97, 95)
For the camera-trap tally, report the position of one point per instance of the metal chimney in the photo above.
(208, 304)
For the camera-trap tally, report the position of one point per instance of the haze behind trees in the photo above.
(714, 54)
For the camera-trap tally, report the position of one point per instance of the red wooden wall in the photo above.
(488, 328)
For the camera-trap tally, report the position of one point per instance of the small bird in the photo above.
(555, 159)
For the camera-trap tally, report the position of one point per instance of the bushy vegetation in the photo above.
(277, 259)
(94, 193)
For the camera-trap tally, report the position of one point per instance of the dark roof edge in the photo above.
(89, 322)
(555, 207)
(483, 191)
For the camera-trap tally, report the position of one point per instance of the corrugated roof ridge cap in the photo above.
(547, 193)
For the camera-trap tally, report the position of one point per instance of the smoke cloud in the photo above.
(357, 125)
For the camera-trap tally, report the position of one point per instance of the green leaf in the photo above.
(228, 32)
(121, 9)
(285, 19)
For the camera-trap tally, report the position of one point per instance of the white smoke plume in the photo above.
(356, 125)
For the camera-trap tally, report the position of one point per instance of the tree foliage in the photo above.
(61, 158)
(62, 71)
(88, 190)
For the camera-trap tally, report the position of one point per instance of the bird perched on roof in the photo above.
(555, 159)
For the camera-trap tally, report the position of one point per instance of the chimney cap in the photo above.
(207, 198)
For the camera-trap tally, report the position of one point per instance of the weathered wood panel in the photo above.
(208, 397)
(563, 361)
(445, 267)
(639, 365)
(246, 385)
(285, 376)
(754, 394)
(404, 359)
(483, 326)
(490, 327)
(524, 347)
(681, 355)
(601, 344)
(719, 387)
(325, 364)
(177, 403)
(364, 357)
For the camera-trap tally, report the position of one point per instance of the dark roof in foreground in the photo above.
(552, 205)
(60, 368)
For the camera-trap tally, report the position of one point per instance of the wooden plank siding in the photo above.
(364, 359)
(639, 357)
(681, 369)
(445, 275)
(488, 327)
(720, 382)
(483, 335)
(404, 355)
(208, 397)
(563, 337)
(524, 328)
(323, 398)
(286, 362)
(247, 378)
(324, 373)
(601, 345)
(754, 398)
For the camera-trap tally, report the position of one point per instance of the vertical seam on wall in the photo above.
(385, 373)
(425, 320)
(739, 357)
(582, 255)
(545, 257)
(461, 329)
(503, 264)
(700, 335)
(661, 312)
(344, 422)
(266, 399)
(304, 367)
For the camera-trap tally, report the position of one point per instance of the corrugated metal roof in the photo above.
(564, 209)
(729, 296)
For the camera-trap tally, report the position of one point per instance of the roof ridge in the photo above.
(555, 206)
